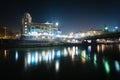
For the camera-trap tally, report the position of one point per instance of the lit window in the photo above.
(25, 26)
(25, 22)
(25, 29)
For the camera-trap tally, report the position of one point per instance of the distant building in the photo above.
(31, 30)
(93, 32)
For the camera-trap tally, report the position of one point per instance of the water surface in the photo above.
(96, 62)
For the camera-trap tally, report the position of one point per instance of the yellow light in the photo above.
(83, 54)
(103, 48)
(73, 57)
(98, 48)
(5, 53)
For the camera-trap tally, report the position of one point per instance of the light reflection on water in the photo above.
(16, 55)
(5, 53)
(53, 56)
(117, 66)
(107, 66)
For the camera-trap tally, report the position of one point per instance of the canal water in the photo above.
(96, 62)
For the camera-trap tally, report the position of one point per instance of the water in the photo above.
(100, 62)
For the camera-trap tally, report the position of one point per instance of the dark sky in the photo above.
(72, 15)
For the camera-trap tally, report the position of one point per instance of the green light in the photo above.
(107, 67)
(95, 60)
(106, 28)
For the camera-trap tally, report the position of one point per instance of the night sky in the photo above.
(72, 15)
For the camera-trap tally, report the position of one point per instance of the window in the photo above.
(25, 28)
(25, 22)
(25, 25)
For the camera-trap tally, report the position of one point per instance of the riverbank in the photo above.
(32, 43)
(14, 43)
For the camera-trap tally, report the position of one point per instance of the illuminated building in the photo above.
(36, 31)
(93, 32)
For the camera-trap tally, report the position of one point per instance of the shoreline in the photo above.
(31, 44)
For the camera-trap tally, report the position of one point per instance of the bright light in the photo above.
(76, 50)
(36, 57)
(16, 55)
(107, 67)
(89, 41)
(83, 54)
(116, 27)
(57, 65)
(106, 28)
(94, 32)
(5, 53)
(83, 34)
(117, 66)
(43, 37)
(95, 60)
(65, 52)
(29, 58)
(89, 49)
(53, 54)
(25, 31)
(40, 58)
(33, 58)
(25, 22)
(95, 57)
(56, 23)
(58, 54)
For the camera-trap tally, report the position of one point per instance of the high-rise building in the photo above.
(26, 23)
(31, 30)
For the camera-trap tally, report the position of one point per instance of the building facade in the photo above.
(37, 31)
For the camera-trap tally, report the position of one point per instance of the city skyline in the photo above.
(72, 16)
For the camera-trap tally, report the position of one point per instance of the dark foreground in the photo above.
(96, 62)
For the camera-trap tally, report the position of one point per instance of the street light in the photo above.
(116, 28)
(56, 23)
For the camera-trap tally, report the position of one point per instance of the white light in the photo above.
(94, 32)
(117, 66)
(47, 23)
(16, 55)
(29, 58)
(65, 52)
(50, 57)
(116, 27)
(58, 54)
(25, 22)
(36, 57)
(43, 37)
(57, 66)
(89, 41)
(56, 23)
(40, 58)
(95, 57)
